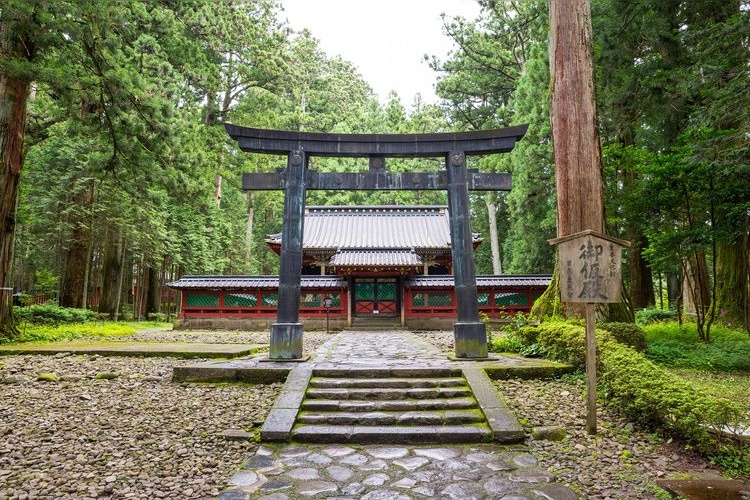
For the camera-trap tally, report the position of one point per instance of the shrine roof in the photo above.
(386, 257)
(527, 280)
(375, 227)
(252, 282)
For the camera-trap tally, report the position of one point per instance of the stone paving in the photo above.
(382, 349)
(394, 472)
(290, 471)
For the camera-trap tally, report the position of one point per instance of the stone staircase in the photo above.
(413, 406)
(376, 324)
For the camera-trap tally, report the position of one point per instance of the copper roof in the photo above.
(375, 227)
(386, 257)
(528, 281)
(244, 282)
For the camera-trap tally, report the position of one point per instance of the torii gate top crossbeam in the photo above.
(255, 140)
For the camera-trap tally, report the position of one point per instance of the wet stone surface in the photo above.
(395, 472)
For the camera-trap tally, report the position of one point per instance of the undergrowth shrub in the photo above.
(653, 315)
(50, 314)
(510, 338)
(629, 334)
(651, 396)
(645, 392)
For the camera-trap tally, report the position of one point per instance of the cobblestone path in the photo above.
(379, 472)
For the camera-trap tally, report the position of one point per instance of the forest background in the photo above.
(128, 179)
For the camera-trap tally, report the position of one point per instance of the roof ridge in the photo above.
(375, 208)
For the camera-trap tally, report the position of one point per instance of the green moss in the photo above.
(47, 377)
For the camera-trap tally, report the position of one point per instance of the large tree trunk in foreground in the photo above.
(578, 171)
(575, 138)
(13, 96)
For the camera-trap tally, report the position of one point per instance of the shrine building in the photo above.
(373, 266)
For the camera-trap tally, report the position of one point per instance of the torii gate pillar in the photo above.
(286, 333)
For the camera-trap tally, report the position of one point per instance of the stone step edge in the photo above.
(427, 434)
(371, 373)
(387, 393)
(363, 406)
(405, 418)
(502, 422)
(393, 382)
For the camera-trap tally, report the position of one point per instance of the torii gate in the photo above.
(469, 332)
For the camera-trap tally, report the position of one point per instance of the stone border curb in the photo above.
(504, 425)
(280, 420)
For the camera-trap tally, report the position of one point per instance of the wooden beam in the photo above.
(478, 142)
(367, 181)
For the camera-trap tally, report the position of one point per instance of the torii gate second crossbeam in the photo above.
(469, 332)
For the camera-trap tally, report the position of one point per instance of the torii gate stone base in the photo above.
(286, 334)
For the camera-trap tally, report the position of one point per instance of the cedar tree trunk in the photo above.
(575, 138)
(13, 96)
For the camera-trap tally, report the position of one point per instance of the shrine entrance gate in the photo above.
(469, 332)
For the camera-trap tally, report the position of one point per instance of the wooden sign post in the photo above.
(591, 273)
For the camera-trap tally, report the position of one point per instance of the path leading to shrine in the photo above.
(386, 404)
(138, 434)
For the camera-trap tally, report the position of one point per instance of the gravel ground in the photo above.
(442, 339)
(137, 435)
(618, 462)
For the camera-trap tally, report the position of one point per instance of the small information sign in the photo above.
(590, 267)
(590, 272)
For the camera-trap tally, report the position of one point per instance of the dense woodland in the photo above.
(127, 179)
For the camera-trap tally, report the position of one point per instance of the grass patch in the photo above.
(98, 329)
(673, 346)
(733, 386)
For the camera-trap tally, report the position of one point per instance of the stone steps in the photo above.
(373, 324)
(399, 405)
(388, 393)
(376, 406)
(392, 434)
(424, 417)
(331, 383)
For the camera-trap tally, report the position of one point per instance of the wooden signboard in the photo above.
(590, 267)
(590, 272)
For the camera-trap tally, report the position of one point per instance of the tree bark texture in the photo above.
(111, 272)
(494, 242)
(578, 172)
(732, 274)
(575, 137)
(13, 96)
(75, 268)
(641, 280)
(153, 293)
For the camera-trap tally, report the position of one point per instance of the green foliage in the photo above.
(52, 314)
(48, 333)
(653, 315)
(629, 334)
(643, 391)
(672, 345)
(650, 396)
